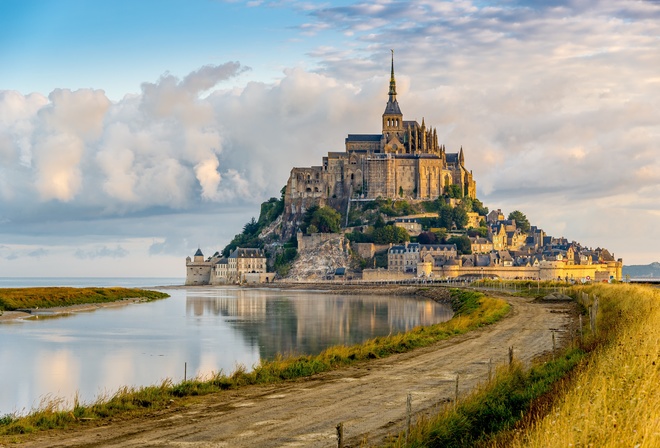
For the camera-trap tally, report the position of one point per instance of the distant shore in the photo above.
(36, 313)
(435, 292)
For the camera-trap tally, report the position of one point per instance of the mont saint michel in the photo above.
(393, 206)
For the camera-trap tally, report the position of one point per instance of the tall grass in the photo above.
(605, 393)
(48, 297)
(495, 407)
(615, 399)
(472, 310)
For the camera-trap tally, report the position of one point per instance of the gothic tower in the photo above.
(392, 117)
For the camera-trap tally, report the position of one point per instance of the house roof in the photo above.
(452, 157)
(247, 252)
(364, 138)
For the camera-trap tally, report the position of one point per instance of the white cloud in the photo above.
(554, 103)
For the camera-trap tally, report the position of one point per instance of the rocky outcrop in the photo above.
(317, 261)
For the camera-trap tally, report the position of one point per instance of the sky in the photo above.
(132, 133)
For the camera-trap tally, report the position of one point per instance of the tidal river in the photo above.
(195, 332)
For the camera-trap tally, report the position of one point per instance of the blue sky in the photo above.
(133, 132)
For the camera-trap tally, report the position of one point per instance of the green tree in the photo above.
(521, 220)
(380, 222)
(446, 216)
(479, 231)
(326, 220)
(403, 208)
(441, 234)
(284, 259)
(460, 217)
(251, 227)
(454, 191)
(463, 245)
(478, 207)
(307, 218)
(390, 234)
(427, 238)
(312, 229)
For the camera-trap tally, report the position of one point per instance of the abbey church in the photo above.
(404, 161)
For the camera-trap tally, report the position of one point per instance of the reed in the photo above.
(472, 310)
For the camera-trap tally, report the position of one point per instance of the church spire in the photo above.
(392, 117)
(392, 92)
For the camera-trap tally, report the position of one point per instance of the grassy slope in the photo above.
(17, 298)
(472, 310)
(615, 399)
(606, 398)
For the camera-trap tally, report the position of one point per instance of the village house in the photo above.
(244, 265)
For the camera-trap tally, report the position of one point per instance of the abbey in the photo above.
(404, 161)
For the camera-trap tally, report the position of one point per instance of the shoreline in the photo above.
(436, 292)
(60, 311)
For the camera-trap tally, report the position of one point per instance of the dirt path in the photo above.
(370, 399)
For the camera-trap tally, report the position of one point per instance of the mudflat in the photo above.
(369, 398)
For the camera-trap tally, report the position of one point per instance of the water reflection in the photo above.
(207, 330)
(297, 322)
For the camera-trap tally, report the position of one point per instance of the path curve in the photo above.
(369, 399)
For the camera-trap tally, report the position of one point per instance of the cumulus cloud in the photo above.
(554, 103)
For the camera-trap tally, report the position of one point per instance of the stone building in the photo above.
(404, 160)
(198, 270)
(244, 265)
(407, 257)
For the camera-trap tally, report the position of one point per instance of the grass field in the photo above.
(603, 391)
(614, 400)
(49, 297)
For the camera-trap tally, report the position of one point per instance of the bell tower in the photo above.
(392, 117)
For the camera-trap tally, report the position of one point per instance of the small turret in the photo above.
(199, 256)
(423, 135)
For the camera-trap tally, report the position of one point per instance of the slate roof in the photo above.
(199, 253)
(451, 157)
(243, 252)
(364, 137)
(392, 108)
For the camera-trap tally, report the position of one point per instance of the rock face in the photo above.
(316, 261)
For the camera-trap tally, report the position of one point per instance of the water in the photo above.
(206, 329)
(81, 282)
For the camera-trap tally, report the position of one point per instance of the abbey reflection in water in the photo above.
(295, 322)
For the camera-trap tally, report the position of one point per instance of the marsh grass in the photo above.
(48, 297)
(472, 310)
(603, 393)
(493, 407)
(615, 399)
